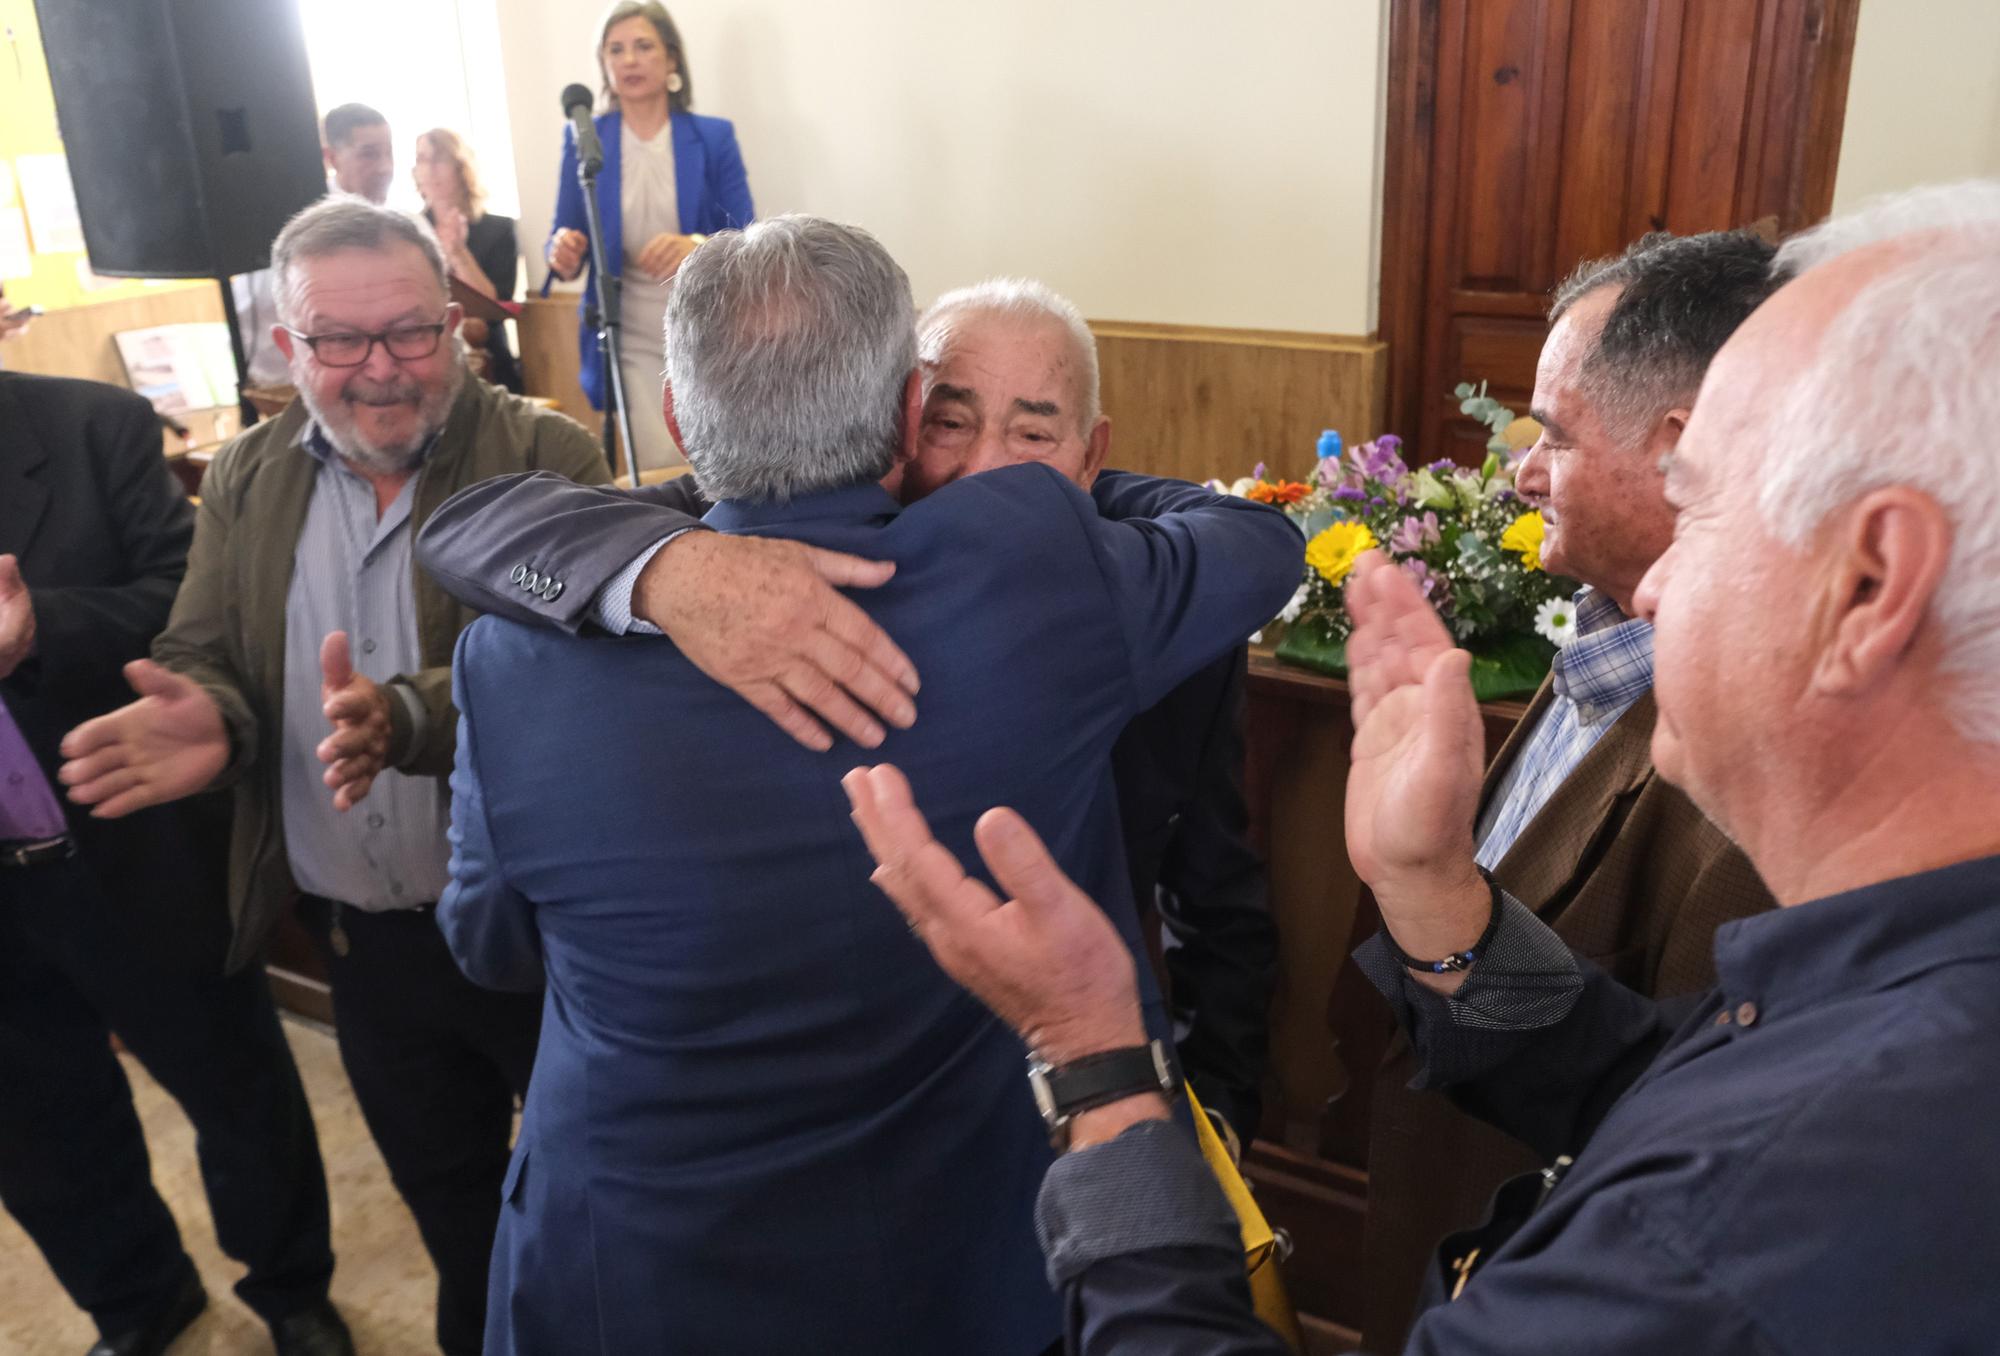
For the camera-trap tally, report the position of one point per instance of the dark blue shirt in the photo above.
(1801, 1161)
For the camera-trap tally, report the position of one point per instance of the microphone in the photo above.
(576, 104)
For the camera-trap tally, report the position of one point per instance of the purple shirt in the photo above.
(29, 810)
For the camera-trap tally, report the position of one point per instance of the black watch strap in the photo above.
(1097, 1080)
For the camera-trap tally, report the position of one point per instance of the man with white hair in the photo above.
(1797, 1161)
(761, 1120)
(306, 665)
(1009, 370)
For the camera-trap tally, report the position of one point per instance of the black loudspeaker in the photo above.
(189, 126)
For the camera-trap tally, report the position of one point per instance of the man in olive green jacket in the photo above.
(307, 665)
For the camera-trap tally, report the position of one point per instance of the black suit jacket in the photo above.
(1178, 766)
(102, 531)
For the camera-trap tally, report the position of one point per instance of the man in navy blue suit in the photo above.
(761, 1120)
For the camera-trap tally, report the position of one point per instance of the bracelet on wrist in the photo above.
(1457, 961)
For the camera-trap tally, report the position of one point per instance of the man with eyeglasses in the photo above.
(309, 667)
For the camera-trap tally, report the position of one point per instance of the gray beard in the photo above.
(341, 434)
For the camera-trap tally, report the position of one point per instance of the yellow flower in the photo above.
(1524, 538)
(1334, 551)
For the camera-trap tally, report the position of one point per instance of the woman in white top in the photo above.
(671, 177)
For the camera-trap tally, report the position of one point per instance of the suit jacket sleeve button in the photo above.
(520, 573)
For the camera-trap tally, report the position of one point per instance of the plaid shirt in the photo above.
(1597, 677)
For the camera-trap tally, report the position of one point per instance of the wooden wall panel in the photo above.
(1195, 402)
(1184, 401)
(547, 334)
(75, 341)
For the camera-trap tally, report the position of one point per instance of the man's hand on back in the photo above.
(168, 744)
(765, 619)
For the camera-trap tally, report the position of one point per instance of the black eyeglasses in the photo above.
(407, 342)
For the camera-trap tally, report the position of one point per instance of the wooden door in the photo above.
(1525, 136)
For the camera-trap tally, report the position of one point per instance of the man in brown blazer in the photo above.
(1573, 821)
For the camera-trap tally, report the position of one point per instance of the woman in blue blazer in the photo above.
(671, 177)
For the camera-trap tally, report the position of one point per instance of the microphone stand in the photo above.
(602, 312)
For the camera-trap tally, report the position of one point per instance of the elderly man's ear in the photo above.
(1096, 449)
(1888, 553)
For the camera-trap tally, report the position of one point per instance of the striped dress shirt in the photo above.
(1596, 677)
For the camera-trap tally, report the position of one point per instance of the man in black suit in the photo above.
(760, 616)
(121, 925)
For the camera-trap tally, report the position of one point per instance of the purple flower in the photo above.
(1435, 586)
(1332, 473)
(1443, 466)
(1414, 534)
(1352, 493)
(1378, 462)
(1258, 473)
(1391, 444)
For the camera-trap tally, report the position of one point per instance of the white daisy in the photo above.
(1294, 607)
(1556, 621)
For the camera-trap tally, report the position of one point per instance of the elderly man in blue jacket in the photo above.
(761, 1120)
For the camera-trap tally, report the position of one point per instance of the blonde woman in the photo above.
(479, 246)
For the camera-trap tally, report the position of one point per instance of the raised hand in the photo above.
(17, 617)
(765, 619)
(1047, 961)
(1413, 787)
(168, 744)
(358, 709)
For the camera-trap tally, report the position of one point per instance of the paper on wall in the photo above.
(51, 202)
(16, 260)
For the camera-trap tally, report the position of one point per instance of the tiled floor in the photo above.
(382, 1281)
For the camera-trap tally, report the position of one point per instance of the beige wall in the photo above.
(1157, 160)
(1923, 104)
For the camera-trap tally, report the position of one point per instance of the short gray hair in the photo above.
(788, 347)
(1679, 300)
(338, 222)
(1020, 298)
(1901, 390)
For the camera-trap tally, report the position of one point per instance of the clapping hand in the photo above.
(451, 227)
(358, 709)
(17, 617)
(566, 251)
(168, 744)
(663, 255)
(1413, 788)
(1046, 961)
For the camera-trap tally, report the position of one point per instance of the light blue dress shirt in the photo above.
(352, 574)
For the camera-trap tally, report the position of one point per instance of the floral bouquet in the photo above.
(1463, 534)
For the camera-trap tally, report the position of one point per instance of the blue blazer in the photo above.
(761, 1118)
(709, 181)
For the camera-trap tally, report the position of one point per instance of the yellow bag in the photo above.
(1260, 1241)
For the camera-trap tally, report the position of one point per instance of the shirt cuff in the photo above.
(419, 720)
(1148, 1188)
(612, 607)
(1526, 980)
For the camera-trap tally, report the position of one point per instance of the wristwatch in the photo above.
(1063, 1091)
